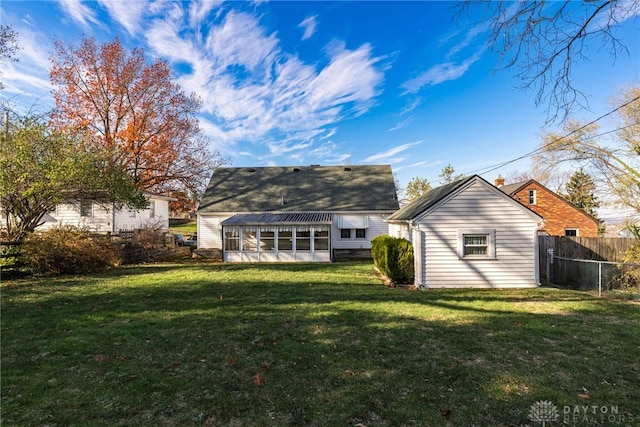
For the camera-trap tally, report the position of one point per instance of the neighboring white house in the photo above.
(106, 219)
(289, 214)
(469, 234)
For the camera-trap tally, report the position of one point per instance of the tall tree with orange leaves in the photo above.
(135, 110)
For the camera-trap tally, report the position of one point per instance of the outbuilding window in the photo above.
(476, 244)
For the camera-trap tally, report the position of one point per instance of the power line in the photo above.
(539, 149)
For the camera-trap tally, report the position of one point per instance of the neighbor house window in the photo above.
(86, 208)
(361, 233)
(321, 240)
(152, 209)
(132, 213)
(571, 232)
(476, 244)
(345, 233)
(532, 197)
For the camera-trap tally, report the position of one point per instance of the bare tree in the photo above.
(543, 41)
(613, 159)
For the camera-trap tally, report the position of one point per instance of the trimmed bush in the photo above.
(69, 250)
(394, 258)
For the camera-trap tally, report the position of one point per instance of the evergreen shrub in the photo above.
(394, 258)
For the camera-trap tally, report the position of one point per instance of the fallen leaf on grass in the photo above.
(349, 372)
(258, 380)
(446, 413)
(266, 366)
(100, 357)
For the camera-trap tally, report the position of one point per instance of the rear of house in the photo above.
(469, 234)
(295, 214)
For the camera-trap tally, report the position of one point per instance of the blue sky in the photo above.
(299, 83)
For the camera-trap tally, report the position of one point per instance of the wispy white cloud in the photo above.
(389, 155)
(253, 91)
(198, 10)
(440, 73)
(309, 24)
(127, 13)
(29, 76)
(421, 164)
(79, 12)
(401, 124)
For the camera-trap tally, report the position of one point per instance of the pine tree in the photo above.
(580, 192)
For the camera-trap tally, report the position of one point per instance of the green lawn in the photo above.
(201, 344)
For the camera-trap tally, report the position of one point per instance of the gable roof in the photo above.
(300, 189)
(432, 197)
(512, 189)
(427, 200)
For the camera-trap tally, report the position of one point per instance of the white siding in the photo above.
(105, 220)
(210, 234)
(400, 231)
(142, 219)
(69, 214)
(477, 207)
(210, 231)
(377, 226)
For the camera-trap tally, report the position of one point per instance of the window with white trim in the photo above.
(152, 208)
(532, 197)
(476, 244)
(571, 232)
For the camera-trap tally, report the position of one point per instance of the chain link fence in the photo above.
(603, 277)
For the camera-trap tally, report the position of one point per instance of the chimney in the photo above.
(499, 181)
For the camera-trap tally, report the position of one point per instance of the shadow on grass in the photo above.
(296, 345)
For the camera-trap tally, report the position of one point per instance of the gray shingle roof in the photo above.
(512, 188)
(300, 189)
(427, 200)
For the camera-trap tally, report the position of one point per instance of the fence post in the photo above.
(599, 279)
(549, 264)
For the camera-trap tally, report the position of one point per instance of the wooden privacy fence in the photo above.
(588, 263)
(610, 249)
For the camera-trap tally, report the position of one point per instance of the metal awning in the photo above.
(279, 218)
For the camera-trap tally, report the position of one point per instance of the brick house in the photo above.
(561, 217)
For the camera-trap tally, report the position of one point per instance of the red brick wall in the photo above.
(558, 214)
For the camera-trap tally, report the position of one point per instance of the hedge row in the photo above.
(394, 258)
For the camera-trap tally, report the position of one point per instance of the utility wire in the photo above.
(539, 149)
